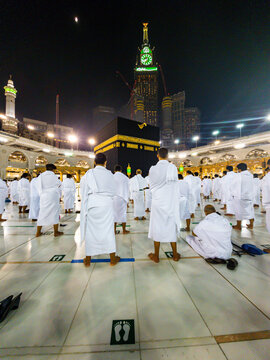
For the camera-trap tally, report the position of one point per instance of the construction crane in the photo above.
(163, 80)
(132, 93)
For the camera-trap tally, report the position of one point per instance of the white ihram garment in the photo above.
(3, 195)
(138, 183)
(24, 192)
(242, 190)
(121, 197)
(34, 199)
(198, 187)
(148, 195)
(14, 191)
(257, 191)
(192, 196)
(213, 238)
(228, 179)
(266, 198)
(97, 216)
(207, 185)
(164, 219)
(216, 188)
(69, 191)
(49, 189)
(183, 200)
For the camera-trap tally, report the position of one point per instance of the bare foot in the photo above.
(39, 234)
(223, 208)
(235, 227)
(1, 220)
(228, 214)
(143, 218)
(126, 232)
(153, 257)
(58, 233)
(87, 261)
(176, 257)
(136, 218)
(147, 210)
(263, 212)
(192, 216)
(250, 226)
(116, 261)
(187, 229)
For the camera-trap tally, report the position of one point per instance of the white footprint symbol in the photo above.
(117, 329)
(126, 328)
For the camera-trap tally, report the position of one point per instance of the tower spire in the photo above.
(145, 33)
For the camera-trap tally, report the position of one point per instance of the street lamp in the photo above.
(268, 117)
(30, 127)
(91, 142)
(215, 133)
(196, 138)
(240, 126)
(50, 135)
(177, 142)
(72, 138)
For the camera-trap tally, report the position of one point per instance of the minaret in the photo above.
(145, 34)
(10, 123)
(10, 93)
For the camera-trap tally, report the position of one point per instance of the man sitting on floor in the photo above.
(211, 238)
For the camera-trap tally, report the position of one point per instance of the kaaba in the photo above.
(129, 143)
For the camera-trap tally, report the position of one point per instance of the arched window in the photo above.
(227, 157)
(61, 162)
(257, 153)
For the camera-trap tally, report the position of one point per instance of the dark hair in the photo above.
(255, 175)
(100, 159)
(224, 172)
(50, 167)
(163, 153)
(216, 175)
(15, 179)
(189, 172)
(242, 166)
(69, 176)
(268, 162)
(196, 173)
(118, 168)
(205, 177)
(229, 168)
(24, 175)
(180, 177)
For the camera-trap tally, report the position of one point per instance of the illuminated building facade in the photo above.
(146, 79)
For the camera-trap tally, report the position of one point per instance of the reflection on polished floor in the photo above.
(185, 310)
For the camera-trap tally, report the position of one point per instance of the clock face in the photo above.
(146, 59)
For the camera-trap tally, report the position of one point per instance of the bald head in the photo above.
(209, 209)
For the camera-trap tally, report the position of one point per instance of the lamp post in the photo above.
(215, 133)
(73, 139)
(196, 138)
(91, 142)
(268, 117)
(177, 142)
(240, 126)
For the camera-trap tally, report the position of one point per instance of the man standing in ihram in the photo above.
(69, 191)
(164, 219)
(98, 189)
(49, 189)
(120, 200)
(137, 186)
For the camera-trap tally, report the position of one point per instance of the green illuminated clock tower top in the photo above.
(146, 79)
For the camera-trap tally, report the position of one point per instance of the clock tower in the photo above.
(146, 79)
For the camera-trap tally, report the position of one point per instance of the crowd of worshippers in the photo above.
(169, 197)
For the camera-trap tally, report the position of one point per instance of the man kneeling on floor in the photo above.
(211, 238)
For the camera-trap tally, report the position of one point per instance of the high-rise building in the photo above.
(178, 123)
(191, 124)
(178, 105)
(9, 121)
(146, 79)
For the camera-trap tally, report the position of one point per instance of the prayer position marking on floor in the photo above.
(169, 254)
(57, 258)
(123, 332)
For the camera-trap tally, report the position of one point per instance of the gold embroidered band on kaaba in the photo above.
(128, 142)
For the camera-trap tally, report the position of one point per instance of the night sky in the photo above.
(217, 51)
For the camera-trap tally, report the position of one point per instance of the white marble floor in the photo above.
(185, 310)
